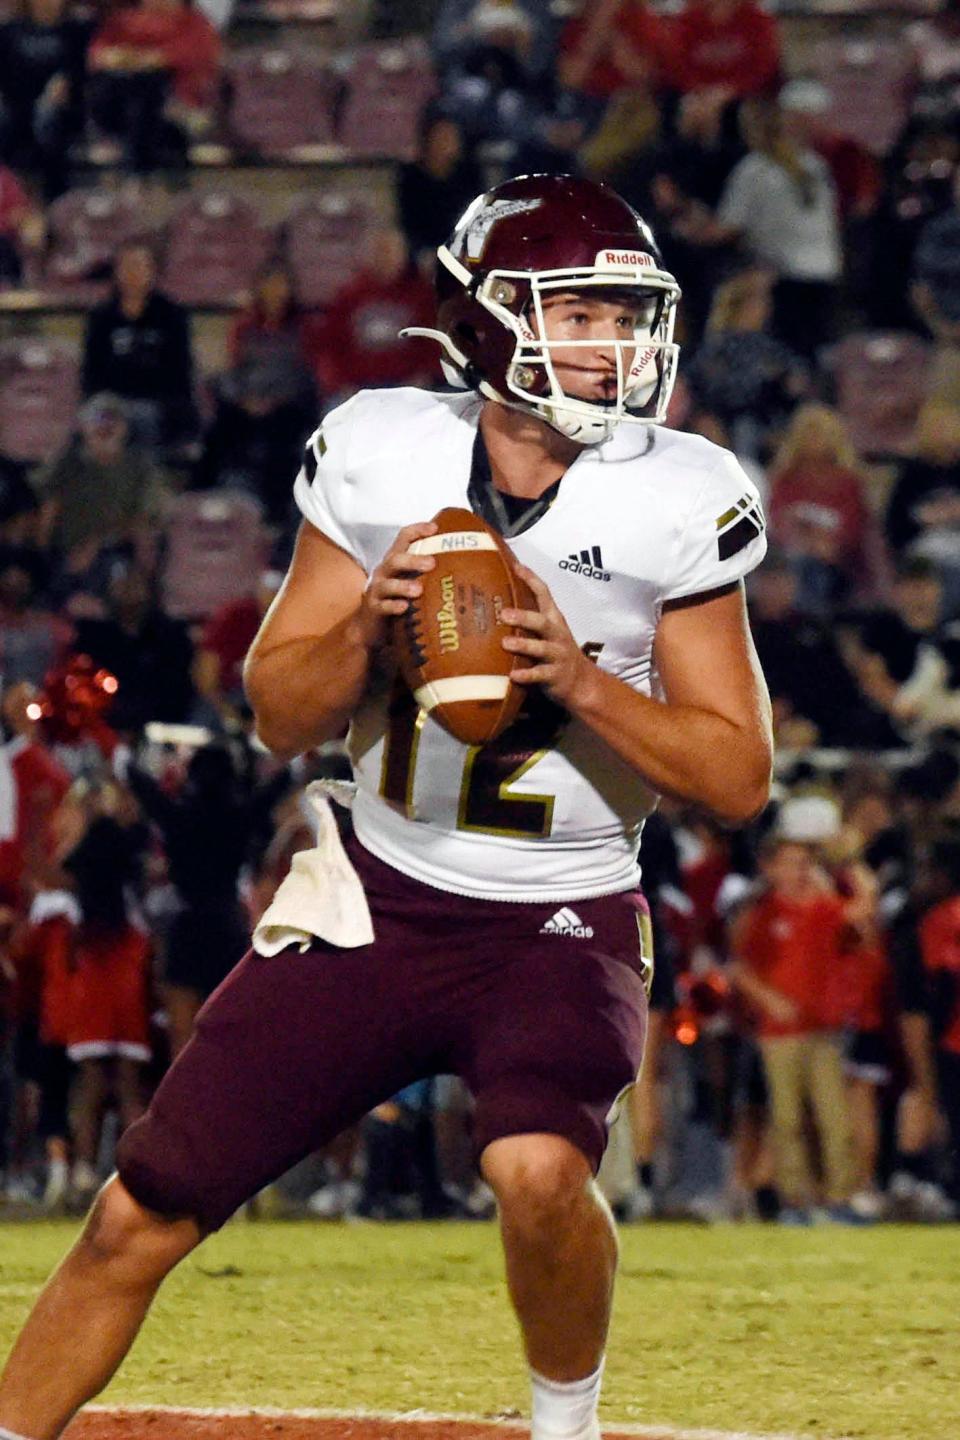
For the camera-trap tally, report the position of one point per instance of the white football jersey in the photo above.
(548, 811)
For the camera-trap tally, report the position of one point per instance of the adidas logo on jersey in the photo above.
(567, 922)
(589, 564)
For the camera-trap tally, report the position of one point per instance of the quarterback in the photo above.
(485, 920)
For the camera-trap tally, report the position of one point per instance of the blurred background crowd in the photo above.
(214, 219)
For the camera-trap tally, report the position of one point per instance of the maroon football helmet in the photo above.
(539, 234)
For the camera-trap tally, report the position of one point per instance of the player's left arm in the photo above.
(710, 741)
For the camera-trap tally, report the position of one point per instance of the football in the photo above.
(448, 640)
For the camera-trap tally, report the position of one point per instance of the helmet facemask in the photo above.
(646, 362)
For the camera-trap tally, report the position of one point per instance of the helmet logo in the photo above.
(474, 238)
(624, 259)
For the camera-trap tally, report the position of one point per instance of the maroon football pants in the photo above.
(541, 1008)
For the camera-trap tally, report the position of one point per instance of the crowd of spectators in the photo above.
(807, 1012)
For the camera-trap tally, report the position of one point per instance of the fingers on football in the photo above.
(409, 533)
(524, 619)
(401, 562)
(534, 675)
(526, 645)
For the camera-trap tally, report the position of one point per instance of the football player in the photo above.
(501, 881)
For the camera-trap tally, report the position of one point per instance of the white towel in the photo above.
(54, 904)
(322, 895)
(8, 786)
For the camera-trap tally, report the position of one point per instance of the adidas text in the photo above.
(567, 922)
(588, 563)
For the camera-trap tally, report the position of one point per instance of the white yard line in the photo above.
(648, 1432)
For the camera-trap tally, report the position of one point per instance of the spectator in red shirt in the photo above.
(940, 952)
(789, 953)
(107, 1019)
(21, 228)
(227, 636)
(819, 511)
(611, 46)
(868, 999)
(32, 785)
(729, 47)
(611, 61)
(361, 345)
(156, 68)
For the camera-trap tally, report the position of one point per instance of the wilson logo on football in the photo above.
(447, 617)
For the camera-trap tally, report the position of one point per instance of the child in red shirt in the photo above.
(790, 946)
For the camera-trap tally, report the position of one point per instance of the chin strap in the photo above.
(442, 339)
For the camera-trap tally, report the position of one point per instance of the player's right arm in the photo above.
(309, 664)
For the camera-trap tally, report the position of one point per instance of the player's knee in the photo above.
(121, 1234)
(537, 1179)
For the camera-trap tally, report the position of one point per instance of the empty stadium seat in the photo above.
(39, 388)
(389, 85)
(279, 101)
(216, 545)
(880, 381)
(869, 81)
(215, 244)
(324, 249)
(87, 227)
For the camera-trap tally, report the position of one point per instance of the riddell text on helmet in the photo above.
(624, 257)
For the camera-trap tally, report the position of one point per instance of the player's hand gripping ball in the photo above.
(448, 641)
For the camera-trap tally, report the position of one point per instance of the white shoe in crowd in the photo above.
(334, 1201)
(920, 1200)
(19, 1191)
(638, 1205)
(58, 1183)
(868, 1204)
(84, 1183)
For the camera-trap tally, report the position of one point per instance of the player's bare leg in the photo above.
(109, 1279)
(561, 1255)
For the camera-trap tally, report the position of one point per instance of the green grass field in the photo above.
(823, 1332)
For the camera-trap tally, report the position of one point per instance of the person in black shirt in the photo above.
(815, 697)
(42, 72)
(149, 654)
(18, 502)
(434, 189)
(137, 346)
(906, 659)
(923, 513)
(208, 831)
